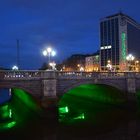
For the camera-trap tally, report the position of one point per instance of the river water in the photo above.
(85, 113)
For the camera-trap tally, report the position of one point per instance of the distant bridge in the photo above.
(53, 84)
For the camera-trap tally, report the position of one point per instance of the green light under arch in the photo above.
(85, 102)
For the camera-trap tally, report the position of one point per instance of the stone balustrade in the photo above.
(99, 75)
(34, 74)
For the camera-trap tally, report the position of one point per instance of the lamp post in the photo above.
(53, 64)
(15, 67)
(81, 69)
(109, 66)
(130, 59)
(49, 52)
(137, 66)
(78, 65)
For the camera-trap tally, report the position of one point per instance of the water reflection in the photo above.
(91, 104)
(7, 120)
(14, 112)
(5, 95)
(87, 112)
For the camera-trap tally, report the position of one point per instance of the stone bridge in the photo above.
(53, 84)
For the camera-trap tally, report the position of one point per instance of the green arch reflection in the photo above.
(18, 110)
(93, 104)
(7, 120)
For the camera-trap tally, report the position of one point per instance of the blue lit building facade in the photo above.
(119, 36)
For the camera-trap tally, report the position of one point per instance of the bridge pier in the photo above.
(49, 89)
(49, 93)
(131, 87)
(49, 99)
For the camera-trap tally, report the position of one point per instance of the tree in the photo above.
(44, 66)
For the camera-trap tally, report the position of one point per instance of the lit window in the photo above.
(109, 47)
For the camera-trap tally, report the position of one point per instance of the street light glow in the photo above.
(108, 61)
(130, 57)
(49, 50)
(53, 64)
(53, 53)
(45, 53)
(14, 67)
(81, 69)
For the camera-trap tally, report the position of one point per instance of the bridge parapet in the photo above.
(26, 74)
(19, 75)
(91, 75)
(40, 74)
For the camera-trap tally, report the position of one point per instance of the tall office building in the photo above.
(119, 36)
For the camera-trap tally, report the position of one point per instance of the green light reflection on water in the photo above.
(81, 116)
(63, 109)
(20, 109)
(10, 124)
(4, 111)
(26, 98)
(89, 103)
(7, 125)
(10, 113)
(6, 120)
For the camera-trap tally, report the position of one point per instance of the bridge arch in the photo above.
(32, 88)
(19, 87)
(91, 82)
(26, 90)
(82, 98)
(25, 94)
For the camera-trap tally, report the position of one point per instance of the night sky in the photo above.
(69, 26)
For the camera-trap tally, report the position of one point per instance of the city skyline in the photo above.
(70, 27)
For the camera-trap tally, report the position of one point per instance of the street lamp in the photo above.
(130, 59)
(109, 66)
(14, 67)
(53, 64)
(137, 66)
(49, 52)
(81, 68)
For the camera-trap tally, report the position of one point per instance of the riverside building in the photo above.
(119, 36)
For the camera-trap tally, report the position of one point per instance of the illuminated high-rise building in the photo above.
(119, 36)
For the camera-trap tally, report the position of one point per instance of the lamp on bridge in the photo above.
(53, 64)
(130, 58)
(80, 67)
(14, 67)
(109, 66)
(49, 52)
(137, 66)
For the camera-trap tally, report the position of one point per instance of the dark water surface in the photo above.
(84, 113)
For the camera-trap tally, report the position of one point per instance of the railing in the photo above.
(36, 74)
(98, 75)
(11, 75)
(26, 74)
